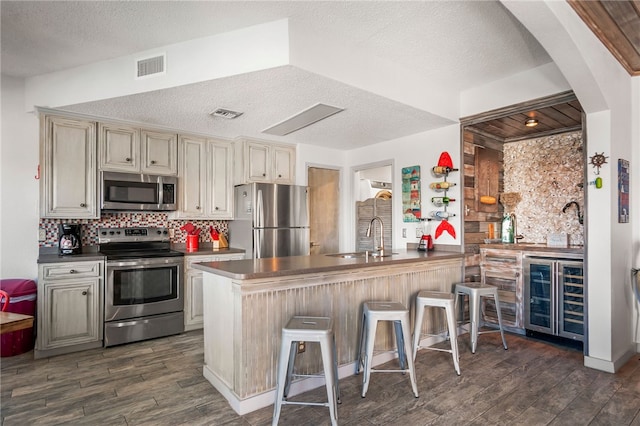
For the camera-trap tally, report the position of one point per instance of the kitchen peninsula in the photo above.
(247, 302)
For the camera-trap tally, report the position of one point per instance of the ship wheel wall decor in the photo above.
(597, 161)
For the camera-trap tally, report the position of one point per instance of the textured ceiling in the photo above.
(265, 98)
(456, 45)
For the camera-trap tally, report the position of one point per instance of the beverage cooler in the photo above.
(554, 296)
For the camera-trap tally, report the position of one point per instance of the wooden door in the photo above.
(324, 211)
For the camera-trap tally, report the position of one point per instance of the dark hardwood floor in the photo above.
(159, 382)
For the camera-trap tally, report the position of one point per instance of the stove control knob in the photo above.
(159, 232)
(104, 233)
(165, 232)
(111, 232)
(118, 232)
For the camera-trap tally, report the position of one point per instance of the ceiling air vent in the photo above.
(225, 113)
(151, 66)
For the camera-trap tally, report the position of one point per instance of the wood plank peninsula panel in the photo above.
(244, 313)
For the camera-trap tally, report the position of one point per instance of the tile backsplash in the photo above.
(125, 220)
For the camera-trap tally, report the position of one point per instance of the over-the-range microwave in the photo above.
(133, 191)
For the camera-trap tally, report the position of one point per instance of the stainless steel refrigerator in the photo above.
(270, 220)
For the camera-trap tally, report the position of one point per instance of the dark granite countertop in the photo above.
(89, 253)
(531, 247)
(205, 249)
(50, 255)
(295, 265)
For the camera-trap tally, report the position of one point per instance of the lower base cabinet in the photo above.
(70, 307)
(193, 314)
(503, 269)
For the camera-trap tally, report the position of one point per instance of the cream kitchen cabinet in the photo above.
(193, 316)
(70, 307)
(265, 162)
(503, 269)
(68, 180)
(128, 149)
(205, 179)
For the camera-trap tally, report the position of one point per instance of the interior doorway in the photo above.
(324, 209)
(373, 192)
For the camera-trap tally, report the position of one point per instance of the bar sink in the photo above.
(358, 254)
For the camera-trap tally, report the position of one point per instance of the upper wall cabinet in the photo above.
(129, 149)
(259, 161)
(205, 185)
(68, 168)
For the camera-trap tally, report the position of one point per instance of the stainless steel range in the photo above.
(144, 288)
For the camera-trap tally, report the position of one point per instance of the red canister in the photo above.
(192, 243)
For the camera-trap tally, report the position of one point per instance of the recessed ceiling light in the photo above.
(225, 113)
(531, 122)
(303, 119)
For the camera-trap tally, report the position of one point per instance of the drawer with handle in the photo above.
(72, 270)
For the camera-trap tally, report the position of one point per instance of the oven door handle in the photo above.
(145, 262)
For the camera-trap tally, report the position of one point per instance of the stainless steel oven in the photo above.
(144, 293)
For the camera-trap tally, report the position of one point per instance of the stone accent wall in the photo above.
(548, 173)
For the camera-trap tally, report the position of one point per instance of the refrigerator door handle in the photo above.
(258, 244)
(259, 210)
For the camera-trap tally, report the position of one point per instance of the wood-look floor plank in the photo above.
(160, 382)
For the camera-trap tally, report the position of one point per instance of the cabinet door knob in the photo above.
(72, 271)
(153, 161)
(279, 176)
(264, 174)
(128, 160)
(217, 208)
(197, 207)
(84, 293)
(83, 205)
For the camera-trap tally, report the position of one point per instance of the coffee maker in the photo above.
(69, 239)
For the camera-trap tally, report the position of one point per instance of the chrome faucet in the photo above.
(516, 236)
(381, 248)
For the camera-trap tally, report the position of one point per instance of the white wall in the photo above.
(605, 91)
(422, 149)
(635, 198)
(18, 186)
(236, 52)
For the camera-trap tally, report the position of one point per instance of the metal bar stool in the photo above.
(437, 299)
(475, 291)
(373, 312)
(307, 329)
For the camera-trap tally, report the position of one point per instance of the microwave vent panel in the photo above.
(151, 66)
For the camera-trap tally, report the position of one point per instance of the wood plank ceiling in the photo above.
(617, 24)
(556, 114)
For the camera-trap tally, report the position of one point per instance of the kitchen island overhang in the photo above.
(247, 302)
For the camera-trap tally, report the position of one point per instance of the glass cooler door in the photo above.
(571, 299)
(539, 295)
